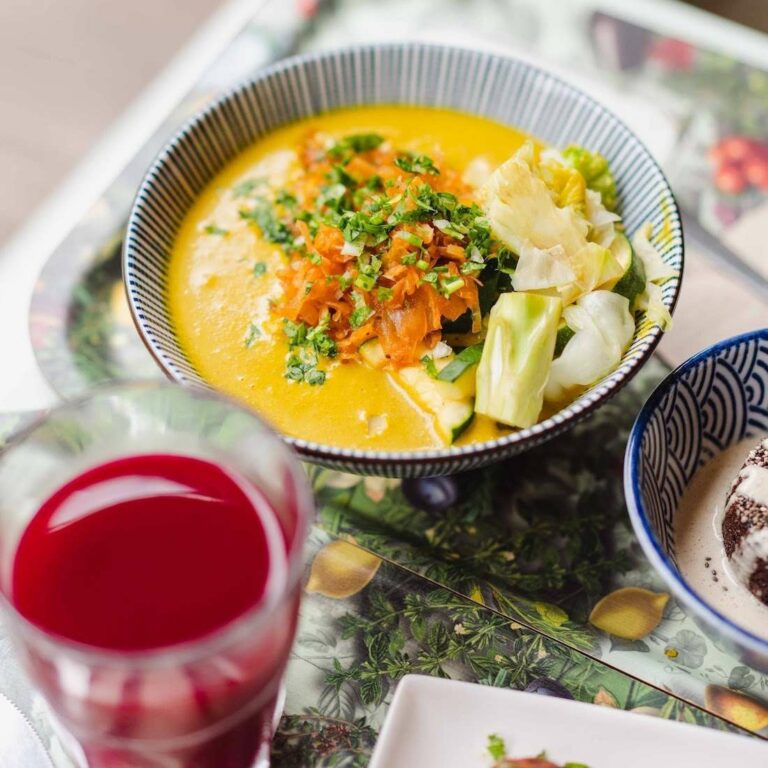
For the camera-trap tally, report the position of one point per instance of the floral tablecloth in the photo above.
(531, 577)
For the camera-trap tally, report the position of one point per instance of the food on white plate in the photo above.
(498, 751)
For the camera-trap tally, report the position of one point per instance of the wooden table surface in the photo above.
(67, 70)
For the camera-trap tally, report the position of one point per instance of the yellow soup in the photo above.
(222, 306)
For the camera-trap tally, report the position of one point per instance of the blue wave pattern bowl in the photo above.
(713, 400)
(492, 86)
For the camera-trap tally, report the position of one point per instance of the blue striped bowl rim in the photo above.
(487, 85)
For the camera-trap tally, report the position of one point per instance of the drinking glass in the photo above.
(206, 703)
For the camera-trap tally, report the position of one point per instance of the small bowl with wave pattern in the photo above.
(713, 400)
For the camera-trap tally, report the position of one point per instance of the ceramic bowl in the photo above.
(504, 89)
(713, 400)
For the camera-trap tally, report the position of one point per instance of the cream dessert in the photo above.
(745, 523)
(717, 570)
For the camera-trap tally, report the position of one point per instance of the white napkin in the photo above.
(20, 746)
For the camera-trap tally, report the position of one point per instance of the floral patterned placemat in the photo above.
(459, 607)
(367, 622)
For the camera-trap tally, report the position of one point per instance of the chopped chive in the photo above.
(259, 268)
(452, 284)
(447, 228)
(471, 268)
(409, 238)
(359, 316)
(422, 264)
(212, 229)
(365, 282)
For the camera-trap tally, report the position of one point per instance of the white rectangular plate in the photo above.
(436, 723)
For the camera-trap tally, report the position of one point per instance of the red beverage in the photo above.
(159, 556)
(145, 552)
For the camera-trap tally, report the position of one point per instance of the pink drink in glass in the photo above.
(153, 598)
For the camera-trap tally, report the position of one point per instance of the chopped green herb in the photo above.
(463, 360)
(422, 264)
(361, 312)
(259, 268)
(302, 367)
(254, 334)
(430, 366)
(333, 196)
(311, 221)
(432, 205)
(247, 186)
(314, 377)
(320, 341)
(419, 164)
(306, 345)
(359, 316)
(409, 258)
(450, 285)
(354, 144)
(212, 229)
(337, 175)
(452, 230)
(384, 294)
(409, 238)
(284, 197)
(358, 223)
(496, 747)
(296, 333)
(471, 268)
(264, 217)
(365, 282)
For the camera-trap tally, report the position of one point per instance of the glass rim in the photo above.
(252, 619)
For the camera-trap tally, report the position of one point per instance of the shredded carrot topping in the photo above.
(400, 276)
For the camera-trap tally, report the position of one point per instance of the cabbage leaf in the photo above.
(656, 269)
(603, 328)
(548, 238)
